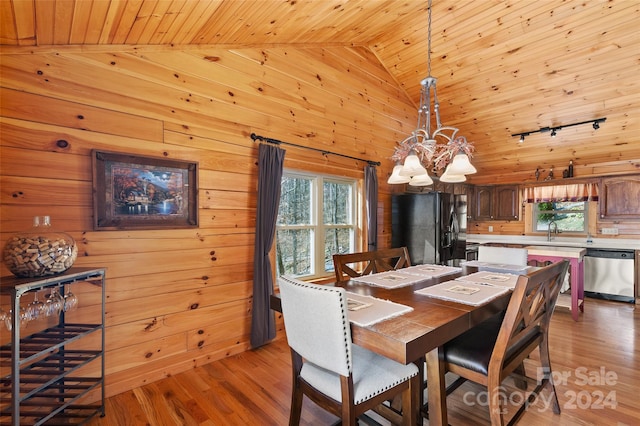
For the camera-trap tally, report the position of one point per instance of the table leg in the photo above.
(574, 288)
(420, 394)
(437, 395)
(581, 285)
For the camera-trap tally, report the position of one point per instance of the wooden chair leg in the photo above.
(296, 403)
(545, 362)
(495, 409)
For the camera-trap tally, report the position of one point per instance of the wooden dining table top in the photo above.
(432, 322)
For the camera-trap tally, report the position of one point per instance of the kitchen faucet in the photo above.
(555, 230)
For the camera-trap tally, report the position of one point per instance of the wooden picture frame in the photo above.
(135, 192)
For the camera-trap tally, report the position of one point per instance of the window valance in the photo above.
(556, 193)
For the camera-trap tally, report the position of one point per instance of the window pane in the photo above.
(336, 203)
(295, 201)
(293, 252)
(337, 241)
(569, 216)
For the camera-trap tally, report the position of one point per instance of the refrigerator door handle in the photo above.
(454, 232)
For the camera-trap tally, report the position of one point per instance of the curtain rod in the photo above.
(323, 151)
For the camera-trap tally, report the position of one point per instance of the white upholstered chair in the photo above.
(343, 378)
(508, 255)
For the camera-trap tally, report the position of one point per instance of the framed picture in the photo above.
(133, 192)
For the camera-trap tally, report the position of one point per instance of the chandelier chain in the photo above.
(429, 40)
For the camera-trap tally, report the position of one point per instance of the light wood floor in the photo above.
(595, 362)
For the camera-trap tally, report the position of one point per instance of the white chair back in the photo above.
(316, 323)
(508, 255)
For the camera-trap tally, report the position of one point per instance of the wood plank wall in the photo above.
(181, 298)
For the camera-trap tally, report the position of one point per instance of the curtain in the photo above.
(557, 193)
(371, 194)
(270, 163)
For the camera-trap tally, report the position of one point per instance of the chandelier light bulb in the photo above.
(461, 165)
(395, 177)
(412, 165)
(422, 180)
(449, 177)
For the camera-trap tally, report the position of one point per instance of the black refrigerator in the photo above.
(432, 225)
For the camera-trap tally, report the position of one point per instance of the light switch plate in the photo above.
(609, 231)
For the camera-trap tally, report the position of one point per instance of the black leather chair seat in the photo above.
(473, 348)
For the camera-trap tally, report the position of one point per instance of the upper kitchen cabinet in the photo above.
(620, 197)
(498, 202)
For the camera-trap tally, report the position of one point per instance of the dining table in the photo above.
(421, 333)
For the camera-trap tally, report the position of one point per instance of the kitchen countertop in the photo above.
(602, 243)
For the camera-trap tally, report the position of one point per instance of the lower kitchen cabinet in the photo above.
(54, 363)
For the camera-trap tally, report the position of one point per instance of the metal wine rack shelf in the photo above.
(46, 382)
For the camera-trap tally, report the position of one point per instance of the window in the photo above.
(316, 218)
(570, 216)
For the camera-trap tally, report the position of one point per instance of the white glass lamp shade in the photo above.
(395, 177)
(412, 166)
(421, 180)
(461, 165)
(447, 176)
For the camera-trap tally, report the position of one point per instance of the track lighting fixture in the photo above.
(554, 130)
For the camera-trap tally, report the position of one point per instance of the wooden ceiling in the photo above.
(503, 67)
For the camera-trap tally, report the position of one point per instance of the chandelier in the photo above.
(437, 147)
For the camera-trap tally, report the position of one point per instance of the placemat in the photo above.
(389, 279)
(368, 310)
(468, 293)
(493, 278)
(430, 271)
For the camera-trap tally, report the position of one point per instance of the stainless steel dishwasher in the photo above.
(609, 274)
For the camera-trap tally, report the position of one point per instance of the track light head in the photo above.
(596, 125)
(553, 133)
(522, 138)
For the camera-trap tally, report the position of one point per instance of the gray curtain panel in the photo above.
(371, 192)
(270, 163)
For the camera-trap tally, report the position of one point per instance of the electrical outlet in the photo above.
(490, 228)
(609, 231)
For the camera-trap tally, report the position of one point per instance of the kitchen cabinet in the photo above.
(48, 374)
(620, 197)
(497, 202)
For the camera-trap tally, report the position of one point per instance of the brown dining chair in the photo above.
(352, 265)
(342, 378)
(492, 350)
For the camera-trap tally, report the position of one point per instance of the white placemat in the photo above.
(430, 271)
(389, 279)
(368, 310)
(489, 266)
(494, 278)
(468, 293)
